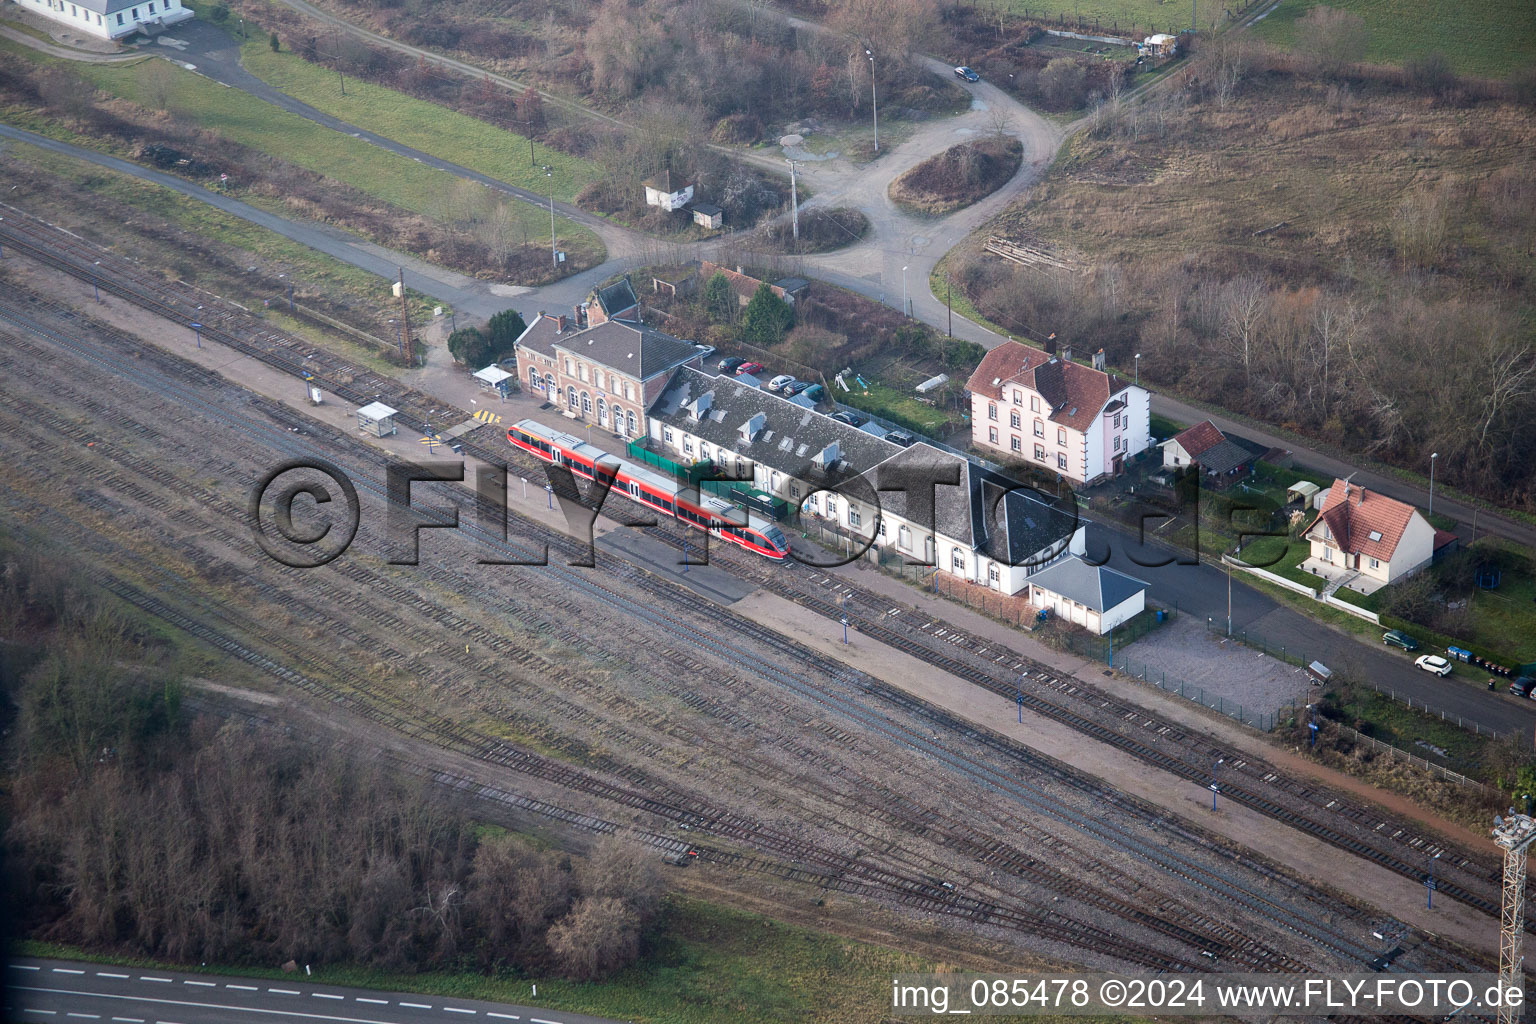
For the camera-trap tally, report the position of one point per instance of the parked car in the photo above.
(1397, 638)
(901, 437)
(794, 387)
(1525, 686)
(752, 368)
(816, 393)
(966, 74)
(732, 365)
(852, 419)
(1433, 663)
(777, 384)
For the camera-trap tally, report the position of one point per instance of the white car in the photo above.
(777, 384)
(1433, 663)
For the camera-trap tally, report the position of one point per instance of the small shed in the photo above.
(1160, 45)
(1302, 491)
(494, 378)
(707, 215)
(377, 419)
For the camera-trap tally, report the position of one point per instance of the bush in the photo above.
(821, 230)
(1431, 73)
(738, 130)
(272, 42)
(470, 347)
(218, 14)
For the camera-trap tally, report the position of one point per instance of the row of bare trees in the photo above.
(136, 828)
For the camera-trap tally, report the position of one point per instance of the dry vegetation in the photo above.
(959, 176)
(138, 829)
(821, 230)
(1345, 256)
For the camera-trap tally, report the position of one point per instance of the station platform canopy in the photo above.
(492, 376)
(377, 419)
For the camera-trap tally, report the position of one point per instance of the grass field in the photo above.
(252, 122)
(1144, 16)
(417, 123)
(1488, 38)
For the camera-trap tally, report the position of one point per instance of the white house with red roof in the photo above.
(1042, 408)
(1222, 458)
(1365, 540)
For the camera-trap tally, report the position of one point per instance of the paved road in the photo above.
(1200, 590)
(70, 992)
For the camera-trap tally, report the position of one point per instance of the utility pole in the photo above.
(405, 322)
(949, 332)
(874, 99)
(554, 259)
(1514, 834)
(794, 202)
(336, 41)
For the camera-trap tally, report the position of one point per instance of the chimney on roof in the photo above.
(560, 324)
(579, 315)
(1066, 354)
(739, 270)
(1050, 344)
(1098, 360)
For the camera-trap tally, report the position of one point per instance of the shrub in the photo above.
(272, 42)
(737, 129)
(470, 347)
(218, 14)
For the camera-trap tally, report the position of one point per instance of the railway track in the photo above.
(834, 873)
(1241, 954)
(274, 349)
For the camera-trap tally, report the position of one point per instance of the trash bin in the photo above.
(1162, 615)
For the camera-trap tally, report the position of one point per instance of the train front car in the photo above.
(765, 537)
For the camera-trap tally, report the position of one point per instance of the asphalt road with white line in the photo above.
(66, 992)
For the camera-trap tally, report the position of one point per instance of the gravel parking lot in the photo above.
(1183, 649)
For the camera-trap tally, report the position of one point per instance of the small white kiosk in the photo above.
(493, 378)
(377, 419)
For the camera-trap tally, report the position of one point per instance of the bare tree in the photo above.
(597, 937)
(1335, 40)
(1246, 302)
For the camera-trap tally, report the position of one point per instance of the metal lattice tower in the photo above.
(1515, 835)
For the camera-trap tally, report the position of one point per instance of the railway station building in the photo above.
(606, 373)
(919, 503)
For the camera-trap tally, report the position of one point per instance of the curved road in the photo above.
(79, 992)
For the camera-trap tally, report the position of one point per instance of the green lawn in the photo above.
(251, 122)
(1123, 15)
(897, 406)
(426, 126)
(1483, 37)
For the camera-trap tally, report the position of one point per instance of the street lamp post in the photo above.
(1214, 787)
(1429, 882)
(845, 620)
(1138, 369)
(874, 99)
(904, 292)
(1432, 457)
(197, 329)
(96, 282)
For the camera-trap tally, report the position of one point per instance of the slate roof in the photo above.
(1004, 363)
(1228, 454)
(1097, 587)
(617, 297)
(789, 438)
(623, 345)
(1362, 521)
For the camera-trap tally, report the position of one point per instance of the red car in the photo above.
(752, 368)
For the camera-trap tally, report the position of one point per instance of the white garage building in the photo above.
(1095, 597)
(109, 19)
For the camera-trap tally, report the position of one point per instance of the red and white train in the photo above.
(652, 489)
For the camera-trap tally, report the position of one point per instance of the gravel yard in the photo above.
(1184, 650)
